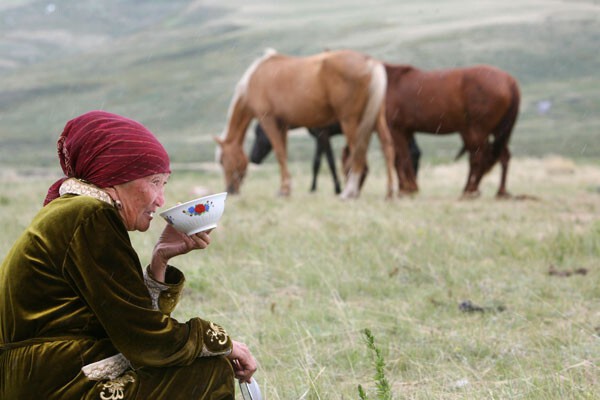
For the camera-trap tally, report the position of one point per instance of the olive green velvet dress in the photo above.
(79, 318)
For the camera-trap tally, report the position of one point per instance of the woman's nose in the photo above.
(160, 200)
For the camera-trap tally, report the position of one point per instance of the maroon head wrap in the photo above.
(106, 149)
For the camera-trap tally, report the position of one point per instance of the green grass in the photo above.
(299, 280)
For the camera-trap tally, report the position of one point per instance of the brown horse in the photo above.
(479, 102)
(283, 91)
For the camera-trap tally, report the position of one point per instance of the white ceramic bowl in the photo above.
(196, 215)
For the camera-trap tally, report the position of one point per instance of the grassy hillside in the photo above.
(173, 64)
(299, 279)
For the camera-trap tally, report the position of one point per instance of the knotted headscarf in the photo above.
(106, 149)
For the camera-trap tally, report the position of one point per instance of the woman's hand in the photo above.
(244, 364)
(172, 243)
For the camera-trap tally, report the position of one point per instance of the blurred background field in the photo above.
(298, 279)
(173, 64)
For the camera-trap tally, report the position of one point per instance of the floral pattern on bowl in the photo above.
(198, 209)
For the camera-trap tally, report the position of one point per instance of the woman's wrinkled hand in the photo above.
(244, 364)
(172, 243)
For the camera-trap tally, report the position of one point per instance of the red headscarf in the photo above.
(106, 149)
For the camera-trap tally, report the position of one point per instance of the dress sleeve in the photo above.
(104, 270)
(165, 295)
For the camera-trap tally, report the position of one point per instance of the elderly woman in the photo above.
(80, 318)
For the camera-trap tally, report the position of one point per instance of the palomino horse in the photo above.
(283, 91)
(480, 102)
(262, 147)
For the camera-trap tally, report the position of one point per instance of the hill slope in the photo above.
(173, 64)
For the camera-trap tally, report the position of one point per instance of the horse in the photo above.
(480, 102)
(262, 147)
(282, 91)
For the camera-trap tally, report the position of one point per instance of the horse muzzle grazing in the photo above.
(234, 163)
(233, 181)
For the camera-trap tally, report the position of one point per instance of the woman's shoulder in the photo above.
(78, 203)
(75, 209)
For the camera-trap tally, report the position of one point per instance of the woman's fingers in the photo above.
(201, 240)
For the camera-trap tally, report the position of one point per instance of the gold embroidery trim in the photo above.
(76, 186)
(115, 389)
(217, 333)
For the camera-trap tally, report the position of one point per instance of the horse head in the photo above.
(234, 162)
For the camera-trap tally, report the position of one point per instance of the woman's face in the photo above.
(140, 199)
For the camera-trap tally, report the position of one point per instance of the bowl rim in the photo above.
(189, 202)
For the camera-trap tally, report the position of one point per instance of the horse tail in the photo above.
(504, 128)
(377, 88)
(460, 153)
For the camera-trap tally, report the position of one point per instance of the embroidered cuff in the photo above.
(108, 368)
(216, 341)
(165, 295)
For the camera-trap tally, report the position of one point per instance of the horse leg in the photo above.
(387, 146)
(316, 161)
(504, 158)
(478, 150)
(346, 166)
(407, 183)
(355, 160)
(415, 154)
(277, 135)
(324, 143)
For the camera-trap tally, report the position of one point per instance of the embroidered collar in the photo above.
(75, 186)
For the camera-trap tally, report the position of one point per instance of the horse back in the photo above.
(310, 91)
(446, 100)
(488, 93)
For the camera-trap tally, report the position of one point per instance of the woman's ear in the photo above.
(112, 192)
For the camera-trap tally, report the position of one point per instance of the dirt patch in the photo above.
(553, 271)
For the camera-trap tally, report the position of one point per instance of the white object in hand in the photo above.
(250, 391)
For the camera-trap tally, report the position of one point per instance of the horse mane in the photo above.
(240, 90)
(242, 85)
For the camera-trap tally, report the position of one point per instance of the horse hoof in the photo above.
(407, 193)
(348, 196)
(470, 195)
(504, 196)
